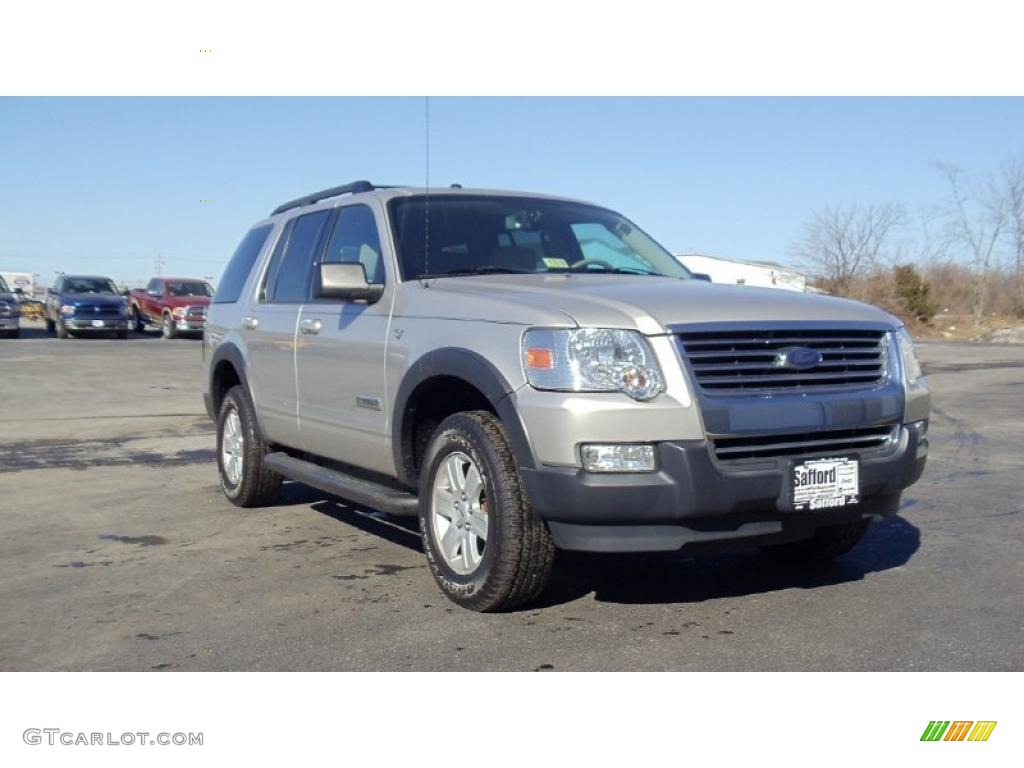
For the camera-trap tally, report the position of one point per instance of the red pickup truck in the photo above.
(176, 304)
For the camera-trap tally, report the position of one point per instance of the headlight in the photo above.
(179, 311)
(68, 309)
(6, 310)
(911, 366)
(591, 360)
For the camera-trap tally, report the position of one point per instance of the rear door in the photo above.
(341, 352)
(269, 327)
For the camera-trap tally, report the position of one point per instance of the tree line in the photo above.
(963, 255)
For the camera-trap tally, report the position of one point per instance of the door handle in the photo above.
(250, 323)
(311, 326)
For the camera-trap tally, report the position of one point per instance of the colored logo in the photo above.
(958, 730)
(797, 358)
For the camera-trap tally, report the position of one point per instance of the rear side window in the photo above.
(237, 271)
(288, 279)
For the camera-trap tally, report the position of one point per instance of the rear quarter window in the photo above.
(237, 271)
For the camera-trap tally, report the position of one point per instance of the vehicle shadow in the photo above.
(403, 531)
(684, 578)
(653, 578)
(37, 331)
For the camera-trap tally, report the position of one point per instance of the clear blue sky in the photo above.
(106, 184)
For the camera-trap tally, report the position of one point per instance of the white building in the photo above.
(760, 274)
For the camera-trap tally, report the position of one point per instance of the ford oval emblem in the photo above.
(797, 358)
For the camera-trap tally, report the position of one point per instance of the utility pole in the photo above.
(158, 264)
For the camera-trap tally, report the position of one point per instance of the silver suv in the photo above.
(527, 373)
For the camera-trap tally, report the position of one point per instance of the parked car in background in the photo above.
(176, 305)
(80, 304)
(9, 312)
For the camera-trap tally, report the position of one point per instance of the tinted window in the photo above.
(88, 285)
(289, 281)
(355, 241)
(183, 288)
(495, 234)
(237, 271)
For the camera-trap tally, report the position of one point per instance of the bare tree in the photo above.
(1012, 179)
(840, 244)
(977, 217)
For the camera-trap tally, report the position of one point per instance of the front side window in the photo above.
(288, 279)
(88, 285)
(452, 235)
(229, 289)
(355, 240)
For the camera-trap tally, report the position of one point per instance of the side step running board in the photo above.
(375, 495)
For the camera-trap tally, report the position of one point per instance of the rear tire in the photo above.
(471, 495)
(244, 477)
(137, 325)
(827, 543)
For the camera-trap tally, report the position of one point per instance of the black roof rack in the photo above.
(316, 197)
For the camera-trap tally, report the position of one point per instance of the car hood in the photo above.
(185, 301)
(646, 303)
(91, 298)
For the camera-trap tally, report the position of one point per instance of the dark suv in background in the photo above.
(85, 304)
(9, 312)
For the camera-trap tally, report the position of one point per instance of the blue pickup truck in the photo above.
(79, 304)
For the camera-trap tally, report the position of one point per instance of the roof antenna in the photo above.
(426, 198)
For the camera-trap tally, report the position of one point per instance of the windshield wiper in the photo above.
(616, 270)
(488, 270)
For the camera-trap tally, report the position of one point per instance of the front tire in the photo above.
(244, 477)
(826, 543)
(50, 326)
(486, 548)
(168, 329)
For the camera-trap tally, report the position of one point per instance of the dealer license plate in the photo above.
(825, 483)
(97, 323)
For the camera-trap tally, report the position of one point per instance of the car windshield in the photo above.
(3, 286)
(88, 285)
(189, 288)
(474, 235)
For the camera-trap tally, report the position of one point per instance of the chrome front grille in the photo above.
(843, 441)
(731, 361)
(98, 310)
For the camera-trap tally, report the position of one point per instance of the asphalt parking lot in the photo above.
(118, 551)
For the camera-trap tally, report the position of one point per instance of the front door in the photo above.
(341, 352)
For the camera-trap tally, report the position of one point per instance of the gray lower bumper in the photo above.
(693, 498)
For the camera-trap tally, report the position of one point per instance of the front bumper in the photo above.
(693, 497)
(9, 323)
(190, 325)
(88, 323)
